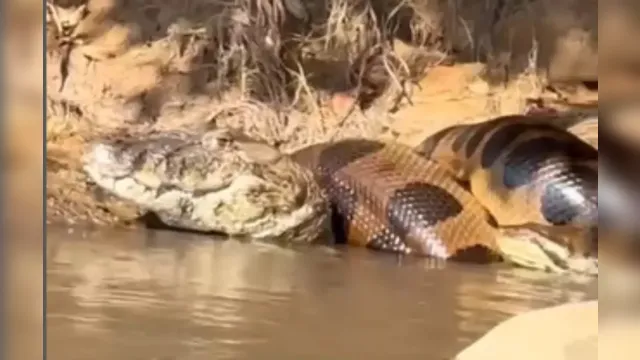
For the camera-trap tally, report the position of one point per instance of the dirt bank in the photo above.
(295, 72)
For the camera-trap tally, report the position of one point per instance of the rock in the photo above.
(565, 332)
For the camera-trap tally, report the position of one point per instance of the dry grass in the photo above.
(294, 72)
(229, 57)
(173, 62)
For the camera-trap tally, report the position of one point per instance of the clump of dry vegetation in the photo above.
(174, 63)
(290, 72)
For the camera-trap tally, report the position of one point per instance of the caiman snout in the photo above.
(106, 159)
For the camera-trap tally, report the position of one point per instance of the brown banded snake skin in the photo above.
(386, 197)
(527, 170)
(380, 195)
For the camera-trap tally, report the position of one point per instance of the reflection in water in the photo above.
(164, 295)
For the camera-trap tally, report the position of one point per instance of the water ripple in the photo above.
(146, 295)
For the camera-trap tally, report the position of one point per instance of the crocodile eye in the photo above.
(216, 139)
(225, 139)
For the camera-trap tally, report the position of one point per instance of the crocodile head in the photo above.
(220, 181)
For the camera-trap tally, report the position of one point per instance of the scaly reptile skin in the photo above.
(383, 196)
(388, 198)
(217, 182)
(525, 170)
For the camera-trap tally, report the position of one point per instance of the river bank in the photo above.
(299, 73)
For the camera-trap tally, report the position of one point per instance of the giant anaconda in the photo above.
(381, 195)
(527, 170)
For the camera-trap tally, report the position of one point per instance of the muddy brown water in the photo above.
(174, 296)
